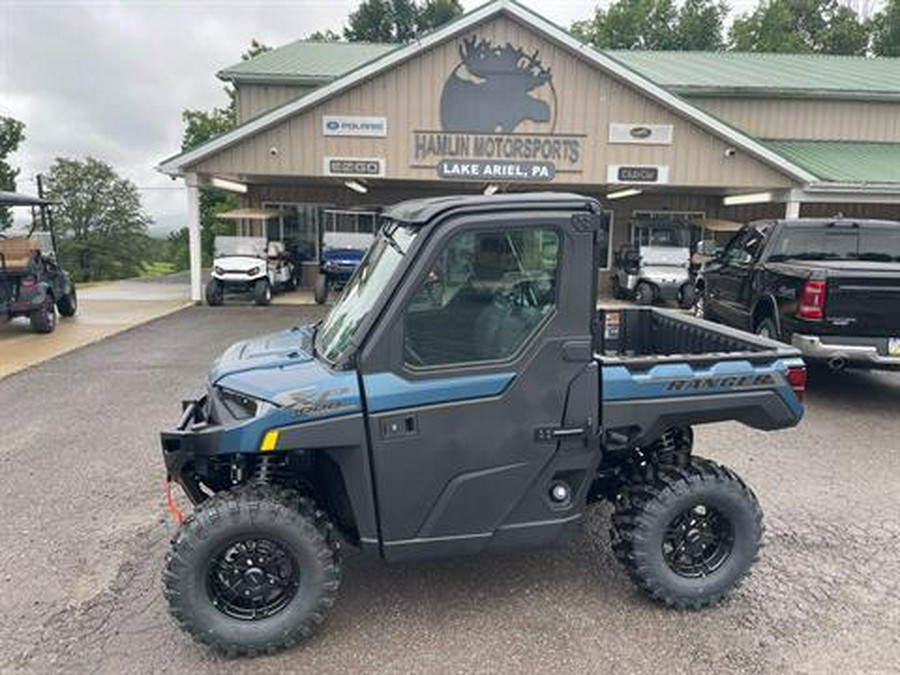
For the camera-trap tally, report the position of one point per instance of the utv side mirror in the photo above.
(708, 248)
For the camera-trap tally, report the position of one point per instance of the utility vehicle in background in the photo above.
(32, 283)
(346, 235)
(658, 269)
(249, 265)
(464, 395)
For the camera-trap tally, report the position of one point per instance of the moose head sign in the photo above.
(498, 119)
(490, 90)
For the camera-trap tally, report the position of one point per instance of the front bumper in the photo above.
(860, 352)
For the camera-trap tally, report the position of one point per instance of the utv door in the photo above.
(466, 382)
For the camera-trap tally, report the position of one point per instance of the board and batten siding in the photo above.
(255, 99)
(808, 119)
(409, 95)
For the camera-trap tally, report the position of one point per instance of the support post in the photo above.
(196, 256)
(792, 209)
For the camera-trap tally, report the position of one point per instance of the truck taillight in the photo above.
(28, 282)
(796, 377)
(812, 301)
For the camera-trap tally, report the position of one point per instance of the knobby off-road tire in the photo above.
(707, 510)
(43, 319)
(295, 535)
(68, 304)
(262, 292)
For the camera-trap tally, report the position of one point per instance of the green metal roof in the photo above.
(305, 62)
(737, 73)
(843, 161)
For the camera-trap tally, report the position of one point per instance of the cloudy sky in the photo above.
(109, 78)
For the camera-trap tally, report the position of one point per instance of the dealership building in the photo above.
(502, 100)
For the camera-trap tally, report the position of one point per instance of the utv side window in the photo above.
(483, 298)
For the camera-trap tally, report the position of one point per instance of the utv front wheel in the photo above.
(690, 536)
(256, 570)
(262, 292)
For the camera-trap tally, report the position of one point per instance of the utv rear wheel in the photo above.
(68, 304)
(256, 570)
(321, 289)
(644, 294)
(690, 536)
(43, 319)
(214, 293)
(262, 292)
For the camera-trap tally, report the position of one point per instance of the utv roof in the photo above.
(845, 221)
(17, 199)
(417, 211)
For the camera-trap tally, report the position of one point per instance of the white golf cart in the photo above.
(251, 262)
(655, 265)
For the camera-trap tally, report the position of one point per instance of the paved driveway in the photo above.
(82, 541)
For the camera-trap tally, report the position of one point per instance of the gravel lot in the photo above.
(83, 540)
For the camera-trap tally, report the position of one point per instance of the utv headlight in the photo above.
(253, 271)
(219, 270)
(244, 407)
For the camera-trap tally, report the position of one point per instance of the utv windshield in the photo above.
(254, 247)
(339, 328)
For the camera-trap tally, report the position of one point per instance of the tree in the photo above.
(886, 30)
(654, 24)
(700, 25)
(12, 133)
(101, 226)
(398, 20)
(326, 36)
(801, 26)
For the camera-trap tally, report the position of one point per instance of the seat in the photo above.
(17, 253)
(275, 250)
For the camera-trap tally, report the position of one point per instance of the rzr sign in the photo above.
(498, 115)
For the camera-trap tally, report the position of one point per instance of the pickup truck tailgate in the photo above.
(865, 303)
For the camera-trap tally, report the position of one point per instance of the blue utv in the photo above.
(464, 395)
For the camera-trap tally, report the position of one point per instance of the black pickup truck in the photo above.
(830, 287)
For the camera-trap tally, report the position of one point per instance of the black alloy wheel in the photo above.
(252, 579)
(698, 541)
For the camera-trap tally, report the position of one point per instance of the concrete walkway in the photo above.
(105, 309)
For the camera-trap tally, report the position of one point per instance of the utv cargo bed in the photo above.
(662, 368)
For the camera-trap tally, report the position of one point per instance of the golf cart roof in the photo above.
(250, 214)
(720, 225)
(18, 199)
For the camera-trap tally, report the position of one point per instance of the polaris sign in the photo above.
(371, 127)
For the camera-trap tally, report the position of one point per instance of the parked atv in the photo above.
(249, 265)
(32, 283)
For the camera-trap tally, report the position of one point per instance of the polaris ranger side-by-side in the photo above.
(464, 395)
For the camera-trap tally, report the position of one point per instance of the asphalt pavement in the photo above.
(83, 536)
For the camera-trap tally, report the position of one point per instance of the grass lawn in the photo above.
(157, 269)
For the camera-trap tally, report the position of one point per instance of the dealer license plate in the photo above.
(894, 346)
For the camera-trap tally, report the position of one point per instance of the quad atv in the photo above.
(464, 395)
(249, 265)
(32, 283)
